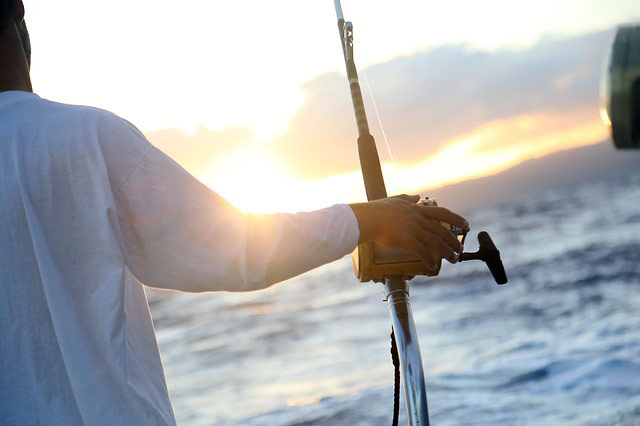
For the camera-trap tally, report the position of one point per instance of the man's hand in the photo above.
(400, 223)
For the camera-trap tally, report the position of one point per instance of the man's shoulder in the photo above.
(71, 128)
(89, 132)
(85, 123)
(89, 116)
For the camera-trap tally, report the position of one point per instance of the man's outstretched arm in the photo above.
(177, 233)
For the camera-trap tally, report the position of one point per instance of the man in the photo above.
(89, 210)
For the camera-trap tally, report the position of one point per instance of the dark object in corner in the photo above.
(620, 89)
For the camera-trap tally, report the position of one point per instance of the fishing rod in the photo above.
(394, 268)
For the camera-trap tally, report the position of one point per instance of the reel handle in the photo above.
(489, 254)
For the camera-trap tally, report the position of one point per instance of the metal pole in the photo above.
(412, 374)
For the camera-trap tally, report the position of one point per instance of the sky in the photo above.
(251, 96)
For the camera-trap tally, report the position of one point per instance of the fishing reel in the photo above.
(620, 89)
(372, 262)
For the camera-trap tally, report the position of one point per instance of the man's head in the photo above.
(12, 14)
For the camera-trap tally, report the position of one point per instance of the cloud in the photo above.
(428, 99)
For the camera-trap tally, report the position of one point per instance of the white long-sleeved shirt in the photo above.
(89, 210)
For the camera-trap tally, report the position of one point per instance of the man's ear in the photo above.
(17, 11)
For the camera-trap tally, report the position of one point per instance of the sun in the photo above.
(254, 180)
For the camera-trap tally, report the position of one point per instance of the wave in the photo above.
(608, 377)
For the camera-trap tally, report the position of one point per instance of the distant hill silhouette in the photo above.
(532, 176)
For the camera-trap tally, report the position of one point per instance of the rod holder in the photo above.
(412, 374)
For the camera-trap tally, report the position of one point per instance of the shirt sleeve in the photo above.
(179, 234)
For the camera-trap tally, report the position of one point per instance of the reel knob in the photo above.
(489, 254)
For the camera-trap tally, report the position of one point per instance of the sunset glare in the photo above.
(489, 149)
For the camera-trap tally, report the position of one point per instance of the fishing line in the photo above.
(375, 108)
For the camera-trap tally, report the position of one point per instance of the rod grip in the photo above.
(371, 170)
(358, 104)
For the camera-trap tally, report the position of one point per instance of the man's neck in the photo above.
(14, 70)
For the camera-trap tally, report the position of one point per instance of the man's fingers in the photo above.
(434, 242)
(419, 250)
(445, 215)
(443, 233)
(428, 261)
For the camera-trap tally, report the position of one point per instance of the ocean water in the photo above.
(558, 345)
